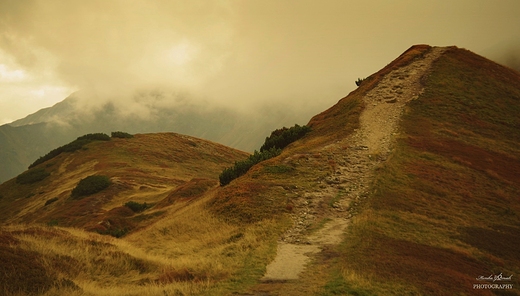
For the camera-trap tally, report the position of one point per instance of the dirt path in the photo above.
(367, 148)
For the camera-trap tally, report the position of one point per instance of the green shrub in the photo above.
(114, 231)
(117, 232)
(95, 137)
(48, 202)
(122, 135)
(32, 176)
(280, 138)
(53, 222)
(71, 147)
(272, 147)
(136, 207)
(241, 167)
(90, 185)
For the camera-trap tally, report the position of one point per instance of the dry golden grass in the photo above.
(146, 168)
(190, 252)
(180, 247)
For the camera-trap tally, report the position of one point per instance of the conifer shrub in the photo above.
(272, 147)
(136, 207)
(32, 176)
(49, 201)
(71, 147)
(281, 138)
(95, 137)
(121, 135)
(241, 167)
(90, 185)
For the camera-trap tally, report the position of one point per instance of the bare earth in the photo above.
(367, 148)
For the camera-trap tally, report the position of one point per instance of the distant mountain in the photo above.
(21, 145)
(24, 140)
(61, 110)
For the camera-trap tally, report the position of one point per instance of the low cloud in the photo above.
(512, 58)
(113, 48)
(299, 56)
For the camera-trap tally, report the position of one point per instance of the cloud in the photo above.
(299, 56)
(114, 47)
(8, 75)
(511, 57)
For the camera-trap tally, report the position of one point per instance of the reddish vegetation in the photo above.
(436, 271)
(22, 270)
(7, 239)
(245, 202)
(505, 166)
(457, 165)
(188, 191)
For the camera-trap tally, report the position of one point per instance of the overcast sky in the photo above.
(299, 54)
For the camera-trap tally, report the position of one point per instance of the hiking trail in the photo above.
(355, 158)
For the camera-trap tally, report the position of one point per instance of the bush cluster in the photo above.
(95, 137)
(136, 207)
(32, 176)
(90, 185)
(241, 167)
(272, 147)
(49, 201)
(71, 147)
(280, 138)
(122, 135)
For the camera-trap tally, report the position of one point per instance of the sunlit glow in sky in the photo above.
(181, 54)
(294, 54)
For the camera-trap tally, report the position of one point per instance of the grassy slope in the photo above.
(275, 178)
(188, 252)
(420, 232)
(178, 246)
(146, 168)
(446, 205)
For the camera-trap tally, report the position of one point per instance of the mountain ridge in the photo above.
(394, 191)
(26, 139)
(158, 158)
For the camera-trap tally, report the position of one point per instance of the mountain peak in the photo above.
(61, 109)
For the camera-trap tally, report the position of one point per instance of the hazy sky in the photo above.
(299, 54)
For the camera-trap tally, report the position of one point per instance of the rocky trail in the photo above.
(355, 159)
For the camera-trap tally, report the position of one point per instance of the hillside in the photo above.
(410, 185)
(399, 184)
(26, 139)
(151, 168)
